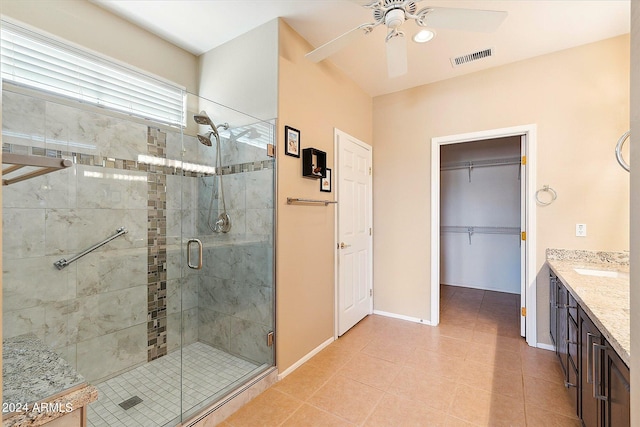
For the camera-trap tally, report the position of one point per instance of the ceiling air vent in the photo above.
(471, 57)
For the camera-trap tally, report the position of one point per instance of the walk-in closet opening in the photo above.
(481, 212)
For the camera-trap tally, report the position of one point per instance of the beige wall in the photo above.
(635, 214)
(313, 98)
(579, 100)
(243, 73)
(89, 26)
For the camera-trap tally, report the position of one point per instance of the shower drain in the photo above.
(130, 402)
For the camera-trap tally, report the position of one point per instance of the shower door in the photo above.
(227, 303)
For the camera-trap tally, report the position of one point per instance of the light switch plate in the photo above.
(581, 230)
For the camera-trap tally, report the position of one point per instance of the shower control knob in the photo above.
(344, 245)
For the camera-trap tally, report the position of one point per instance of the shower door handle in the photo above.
(197, 266)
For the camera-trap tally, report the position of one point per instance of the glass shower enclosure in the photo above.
(173, 313)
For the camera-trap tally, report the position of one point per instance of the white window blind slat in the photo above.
(29, 60)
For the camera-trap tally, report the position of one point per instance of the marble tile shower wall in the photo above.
(95, 312)
(235, 292)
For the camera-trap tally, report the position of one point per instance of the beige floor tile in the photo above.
(396, 351)
(506, 343)
(493, 379)
(434, 391)
(310, 416)
(463, 332)
(332, 357)
(445, 345)
(492, 354)
(346, 399)
(270, 408)
(395, 411)
(546, 367)
(457, 422)
(487, 409)
(434, 363)
(538, 417)
(304, 381)
(370, 370)
(548, 395)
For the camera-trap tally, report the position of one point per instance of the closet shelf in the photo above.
(470, 165)
(44, 165)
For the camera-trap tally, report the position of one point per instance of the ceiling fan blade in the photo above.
(336, 44)
(396, 56)
(464, 19)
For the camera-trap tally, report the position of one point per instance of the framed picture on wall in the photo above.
(291, 141)
(325, 183)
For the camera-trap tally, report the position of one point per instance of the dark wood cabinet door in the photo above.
(553, 308)
(617, 405)
(590, 407)
(562, 347)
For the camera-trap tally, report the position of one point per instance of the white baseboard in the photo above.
(305, 358)
(402, 317)
(543, 346)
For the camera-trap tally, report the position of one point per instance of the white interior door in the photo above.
(523, 228)
(354, 234)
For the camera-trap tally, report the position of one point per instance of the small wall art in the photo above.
(291, 141)
(325, 183)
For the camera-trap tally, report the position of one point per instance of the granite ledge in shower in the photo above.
(32, 372)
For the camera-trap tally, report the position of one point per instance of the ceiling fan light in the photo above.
(423, 36)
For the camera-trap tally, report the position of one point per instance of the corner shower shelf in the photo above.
(44, 165)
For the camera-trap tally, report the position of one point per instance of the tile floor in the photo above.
(207, 372)
(473, 369)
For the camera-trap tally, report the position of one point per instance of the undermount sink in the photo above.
(602, 273)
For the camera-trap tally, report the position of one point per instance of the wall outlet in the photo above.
(581, 230)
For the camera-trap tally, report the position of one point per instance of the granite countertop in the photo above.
(33, 374)
(604, 299)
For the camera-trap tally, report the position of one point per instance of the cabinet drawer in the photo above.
(573, 307)
(572, 341)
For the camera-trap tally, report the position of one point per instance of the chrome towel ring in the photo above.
(545, 188)
(619, 145)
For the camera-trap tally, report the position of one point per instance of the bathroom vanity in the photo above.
(590, 329)
(40, 387)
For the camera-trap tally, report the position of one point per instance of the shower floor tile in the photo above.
(207, 372)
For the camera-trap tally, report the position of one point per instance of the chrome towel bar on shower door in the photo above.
(60, 264)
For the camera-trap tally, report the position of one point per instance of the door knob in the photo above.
(344, 245)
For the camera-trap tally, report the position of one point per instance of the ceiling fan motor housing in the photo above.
(394, 18)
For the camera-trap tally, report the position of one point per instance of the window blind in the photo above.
(32, 60)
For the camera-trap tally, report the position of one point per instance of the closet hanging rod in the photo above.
(481, 163)
(62, 263)
(479, 230)
(293, 200)
(18, 161)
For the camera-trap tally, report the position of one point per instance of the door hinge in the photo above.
(271, 150)
(270, 338)
(370, 232)
(523, 311)
(369, 170)
(523, 235)
(524, 160)
(370, 292)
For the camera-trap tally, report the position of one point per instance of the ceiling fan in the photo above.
(393, 13)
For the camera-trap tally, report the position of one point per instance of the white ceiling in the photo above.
(532, 28)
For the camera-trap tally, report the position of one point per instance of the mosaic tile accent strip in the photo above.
(114, 163)
(207, 372)
(156, 249)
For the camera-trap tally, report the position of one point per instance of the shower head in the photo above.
(205, 139)
(203, 119)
